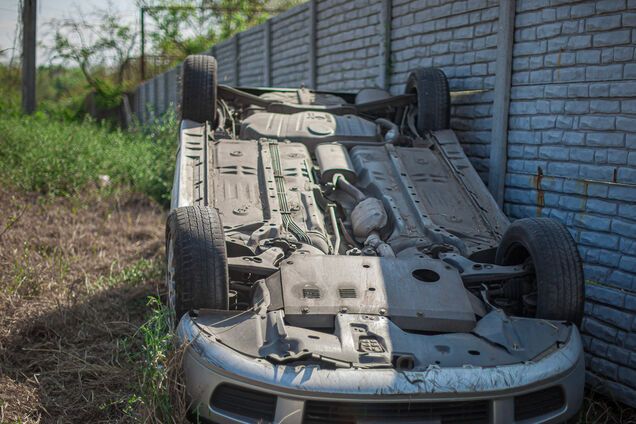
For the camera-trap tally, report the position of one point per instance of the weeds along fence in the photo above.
(552, 120)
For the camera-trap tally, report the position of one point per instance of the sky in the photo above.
(48, 10)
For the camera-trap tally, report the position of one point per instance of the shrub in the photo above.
(38, 153)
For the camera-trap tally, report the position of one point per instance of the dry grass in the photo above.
(599, 409)
(79, 340)
(75, 275)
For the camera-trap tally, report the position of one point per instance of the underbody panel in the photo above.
(416, 294)
(426, 198)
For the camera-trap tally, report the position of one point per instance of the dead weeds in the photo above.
(600, 409)
(75, 275)
(78, 340)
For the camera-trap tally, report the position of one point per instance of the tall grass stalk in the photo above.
(160, 397)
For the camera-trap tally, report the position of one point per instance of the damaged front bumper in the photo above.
(226, 386)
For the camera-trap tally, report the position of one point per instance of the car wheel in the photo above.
(197, 274)
(198, 89)
(433, 99)
(556, 291)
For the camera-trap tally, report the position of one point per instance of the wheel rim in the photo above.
(171, 284)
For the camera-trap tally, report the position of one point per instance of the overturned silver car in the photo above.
(334, 257)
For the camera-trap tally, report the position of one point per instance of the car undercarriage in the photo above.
(334, 257)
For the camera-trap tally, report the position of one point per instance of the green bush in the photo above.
(39, 153)
(60, 92)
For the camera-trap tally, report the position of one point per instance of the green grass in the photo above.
(157, 339)
(55, 154)
(133, 275)
(57, 157)
(60, 91)
(159, 395)
(157, 392)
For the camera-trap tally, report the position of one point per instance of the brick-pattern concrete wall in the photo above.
(172, 87)
(289, 41)
(572, 156)
(347, 44)
(251, 57)
(226, 59)
(460, 37)
(571, 126)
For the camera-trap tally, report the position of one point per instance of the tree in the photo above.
(178, 29)
(183, 27)
(101, 45)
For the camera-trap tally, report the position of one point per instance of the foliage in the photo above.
(252, 13)
(60, 91)
(180, 28)
(158, 357)
(10, 82)
(133, 275)
(60, 158)
(163, 135)
(100, 45)
(175, 30)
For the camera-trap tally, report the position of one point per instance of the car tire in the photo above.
(433, 99)
(548, 247)
(198, 89)
(197, 273)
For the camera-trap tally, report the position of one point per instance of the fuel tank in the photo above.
(310, 128)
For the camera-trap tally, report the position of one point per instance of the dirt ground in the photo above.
(75, 276)
(74, 279)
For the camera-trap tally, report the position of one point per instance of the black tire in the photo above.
(433, 99)
(549, 247)
(198, 89)
(199, 260)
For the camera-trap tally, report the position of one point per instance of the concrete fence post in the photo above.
(136, 102)
(237, 57)
(171, 88)
(385, 44)
(155, 92)
(142, 103)
(146, 100)
(159, 91)
(155, 96)
(311, 80)
(166, 90)
(503, 71)
(267, 51)
(177, 88)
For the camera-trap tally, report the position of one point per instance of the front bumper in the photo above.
(208, 364)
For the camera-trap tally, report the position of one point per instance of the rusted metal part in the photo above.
(540, 195)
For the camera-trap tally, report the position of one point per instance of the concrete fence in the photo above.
(552, 119)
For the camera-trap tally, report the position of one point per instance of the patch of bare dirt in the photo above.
(75, 274)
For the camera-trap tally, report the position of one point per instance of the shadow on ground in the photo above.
(76, 364)
(75, 275)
